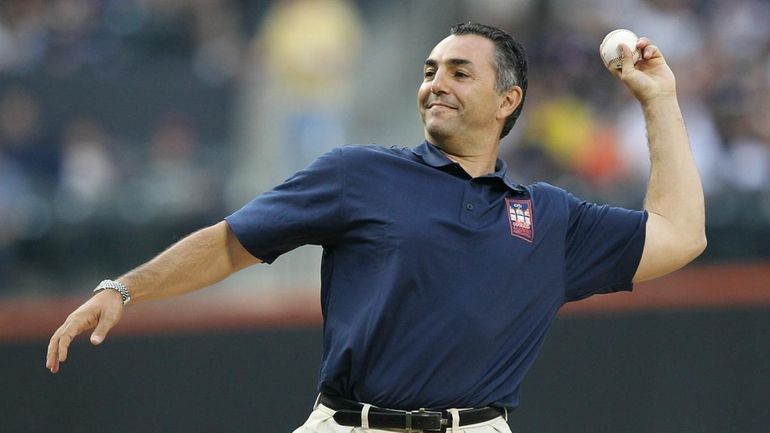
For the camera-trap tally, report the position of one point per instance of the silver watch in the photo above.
(115, 285)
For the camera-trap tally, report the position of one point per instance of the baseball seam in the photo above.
(613, 60)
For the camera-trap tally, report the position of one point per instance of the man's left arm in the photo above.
(675, 230)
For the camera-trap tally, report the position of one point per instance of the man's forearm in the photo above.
(674, 191)
(197, 261)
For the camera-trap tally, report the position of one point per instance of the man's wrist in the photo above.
(660, 99)
(117, 286)
(662, 108)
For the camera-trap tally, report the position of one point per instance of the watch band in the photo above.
(117, 286)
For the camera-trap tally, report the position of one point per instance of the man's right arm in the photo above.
(199, 260)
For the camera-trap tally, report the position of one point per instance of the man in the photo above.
(440, 277)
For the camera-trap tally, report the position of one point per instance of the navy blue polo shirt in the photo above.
(437, 289)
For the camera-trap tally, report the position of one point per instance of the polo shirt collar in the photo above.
(434, 157)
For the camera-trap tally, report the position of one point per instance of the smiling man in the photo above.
(463, 101)
(440, 276)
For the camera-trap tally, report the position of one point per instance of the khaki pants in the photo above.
(321, 421)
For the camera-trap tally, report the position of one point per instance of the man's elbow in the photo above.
(696, 246)
(684, 253)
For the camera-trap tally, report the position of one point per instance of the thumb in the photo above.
(106, 322)
(626, 59)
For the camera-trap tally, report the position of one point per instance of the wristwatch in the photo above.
(115, 285)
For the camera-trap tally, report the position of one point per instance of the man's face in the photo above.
(457, 98)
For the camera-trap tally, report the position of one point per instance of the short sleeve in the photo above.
(603, 249)
(304, 209)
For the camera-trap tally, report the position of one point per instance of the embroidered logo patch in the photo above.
(521, 219)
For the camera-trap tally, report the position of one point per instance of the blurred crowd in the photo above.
(587, 131)
(70, 156)
(65, 164)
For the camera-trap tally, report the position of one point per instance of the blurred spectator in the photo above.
(24, 139)
(311, 48)
(297, 98)
(297, 95)
(22, 34)
(219, 41)
(88, 173)
(14, 187)
(740, 29)
(175, 181)
(748, 141)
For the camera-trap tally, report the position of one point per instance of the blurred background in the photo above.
(127, 124)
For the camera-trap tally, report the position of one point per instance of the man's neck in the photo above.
(475, 160)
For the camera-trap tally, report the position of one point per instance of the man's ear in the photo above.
(511, 99)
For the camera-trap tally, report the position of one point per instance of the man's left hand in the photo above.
(648, 79)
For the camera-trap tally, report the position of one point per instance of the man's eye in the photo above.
(429, 74)
(459, 74)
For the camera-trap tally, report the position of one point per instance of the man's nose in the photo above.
(438, 85)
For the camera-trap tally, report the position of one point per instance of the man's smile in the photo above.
(435, 104)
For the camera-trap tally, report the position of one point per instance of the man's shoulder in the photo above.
(374, 151)
(547, 196)
(545, 189)
(356, 157)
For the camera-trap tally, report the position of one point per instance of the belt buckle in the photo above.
(427, 415)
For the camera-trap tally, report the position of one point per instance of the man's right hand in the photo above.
(102, 312)
(199, 260)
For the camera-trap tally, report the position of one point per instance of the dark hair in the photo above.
(510, 62)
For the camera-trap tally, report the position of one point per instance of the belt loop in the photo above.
(455, 420)
(317, 400)
(365, 416)
(505, 416)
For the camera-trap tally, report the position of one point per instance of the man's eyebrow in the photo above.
(430, 63)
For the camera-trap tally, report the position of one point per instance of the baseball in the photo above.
(611, 54)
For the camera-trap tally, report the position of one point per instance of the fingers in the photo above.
(651, 52)
(58, 346)
(100, 312)
(645, 72)
(647, 49)
(106, 322)
(627, 60)
(52, 356)
(64, 344)
(628, 54)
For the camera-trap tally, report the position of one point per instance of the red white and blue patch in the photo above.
(520, 217)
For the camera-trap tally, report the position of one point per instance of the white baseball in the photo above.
(611, 53)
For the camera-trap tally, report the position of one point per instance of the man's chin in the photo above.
(437, 131)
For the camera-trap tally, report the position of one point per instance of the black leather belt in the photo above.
(348, 413)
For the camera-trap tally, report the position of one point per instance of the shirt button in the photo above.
(469, 206)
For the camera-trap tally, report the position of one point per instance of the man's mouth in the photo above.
(440, 104)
